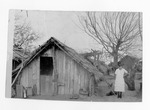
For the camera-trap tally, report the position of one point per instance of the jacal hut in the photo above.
(55, 68)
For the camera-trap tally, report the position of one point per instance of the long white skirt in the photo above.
(120, 85)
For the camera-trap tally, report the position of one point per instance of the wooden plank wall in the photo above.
(30, 75)
(71, 76)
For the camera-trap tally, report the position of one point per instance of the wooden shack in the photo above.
(55, 68)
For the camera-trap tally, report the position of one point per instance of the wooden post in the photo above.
(91, 85)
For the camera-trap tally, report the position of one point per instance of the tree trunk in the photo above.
(115, 62)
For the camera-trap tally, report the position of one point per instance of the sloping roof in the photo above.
(69, 51)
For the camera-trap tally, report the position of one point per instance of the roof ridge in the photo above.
(71, 52)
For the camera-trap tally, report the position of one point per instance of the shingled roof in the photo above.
(69, 51)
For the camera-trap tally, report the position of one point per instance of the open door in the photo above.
(46, 75)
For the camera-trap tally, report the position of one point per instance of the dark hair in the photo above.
(120, 64)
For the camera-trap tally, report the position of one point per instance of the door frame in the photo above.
(40, 74)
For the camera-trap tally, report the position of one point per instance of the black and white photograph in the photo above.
(76, 55)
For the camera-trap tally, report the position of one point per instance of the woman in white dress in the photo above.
(119, 80)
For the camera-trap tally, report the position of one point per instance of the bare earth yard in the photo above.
(128, 96)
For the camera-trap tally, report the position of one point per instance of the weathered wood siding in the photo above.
(31, 73)
(46, 81)
(71, 76)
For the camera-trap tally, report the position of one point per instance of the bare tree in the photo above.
(115, 31)
(24, 35)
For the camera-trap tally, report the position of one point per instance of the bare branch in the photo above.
(115, 31)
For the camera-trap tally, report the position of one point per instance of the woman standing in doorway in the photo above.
(119, 80)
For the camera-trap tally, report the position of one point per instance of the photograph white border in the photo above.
(72, 5)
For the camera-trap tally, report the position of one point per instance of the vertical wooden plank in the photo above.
(27, 75)
(38, 75)
(79, 81)
(52, 80)
(55, 73)
(30, 67)
(71, 77)
(60, 76)
(58, 69)
(59, 61)
(91, 85)
(34, 75)
(63, 74)
(27, 80)
(74, 78)
(78, 77)
(24, 78)
(19, 91)
(83, 79)
(86, 80)
(81, 75)
(66, 74)
(32, 71)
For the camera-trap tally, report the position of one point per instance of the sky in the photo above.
(64, 26)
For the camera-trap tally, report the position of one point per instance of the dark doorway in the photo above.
(46, 73)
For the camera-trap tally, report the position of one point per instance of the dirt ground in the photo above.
(128, 96)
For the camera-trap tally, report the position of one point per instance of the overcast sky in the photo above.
(64, 26)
